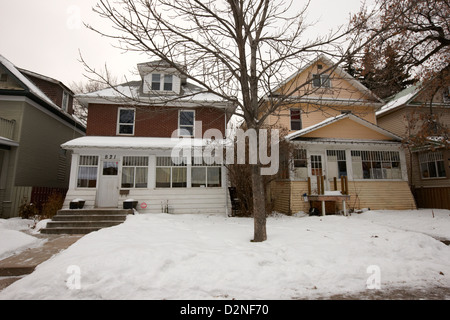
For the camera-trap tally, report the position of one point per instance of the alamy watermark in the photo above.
(374, 280)
(211, 147)
(74, 280)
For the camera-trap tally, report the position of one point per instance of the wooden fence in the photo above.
(438, 197)
(40, 195)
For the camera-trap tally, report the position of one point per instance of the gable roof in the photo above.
(37, 95)
(339, 71)
(332, 120)
(403, 98)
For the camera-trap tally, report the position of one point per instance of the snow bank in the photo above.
(12, 239)
(161, 256)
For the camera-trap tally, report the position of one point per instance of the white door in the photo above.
(317, 169)
(108, 188)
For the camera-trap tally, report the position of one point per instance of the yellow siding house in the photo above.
(341, 159)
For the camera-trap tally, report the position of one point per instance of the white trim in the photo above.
(179, 124)
(119, 124)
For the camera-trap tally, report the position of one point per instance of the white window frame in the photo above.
(139, 163)
(125, 124)
(179, 124)
(88, 166)
(65, 101)
(432, 157)
(323, 78)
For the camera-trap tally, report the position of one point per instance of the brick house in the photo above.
(36, 117)
(132, 130)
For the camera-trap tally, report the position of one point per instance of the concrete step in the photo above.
(82, 224)
(83, 221)
(91, 217)
(69, 230)
(70, 212)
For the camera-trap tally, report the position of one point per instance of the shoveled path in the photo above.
(16, 266)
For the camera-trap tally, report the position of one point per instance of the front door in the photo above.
(108, 189)
(317, 168)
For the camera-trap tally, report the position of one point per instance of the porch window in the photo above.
(87, 172)
(134, 172)
(321, 81)
(186, 123)
(126, 121)
(296, 120)
(170, 174)
(376, 164)
(205, 175)
(432, 165)
(300, 164)
(337, 165)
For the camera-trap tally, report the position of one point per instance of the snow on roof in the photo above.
(131, 92)
(401, 98)
(30, 85)
(33, 88)
(133, 142)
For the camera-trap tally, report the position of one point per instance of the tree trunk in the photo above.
(259, 206)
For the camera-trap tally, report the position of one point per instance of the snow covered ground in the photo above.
(163, 256)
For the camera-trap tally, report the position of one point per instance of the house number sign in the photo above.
(110, 156)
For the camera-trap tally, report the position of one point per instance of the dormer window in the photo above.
(162, 82)
(65, 101)
(321, 81)
(168, 82)
(156, 81)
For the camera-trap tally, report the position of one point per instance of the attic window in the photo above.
(4, 77)
(168, 81)
(321, 81)
(156, 81)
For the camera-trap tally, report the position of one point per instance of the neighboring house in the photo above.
(428, 160)
(132, 130)
(36, 117)
(337, 144)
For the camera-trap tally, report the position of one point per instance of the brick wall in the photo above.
(53, 91)
(150, 121)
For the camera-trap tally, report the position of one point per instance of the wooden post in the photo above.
(309, 186)
(335, 183)
(346, 185)
(318, 184)
(322, 185)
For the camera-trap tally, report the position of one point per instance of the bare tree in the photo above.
(239, 50)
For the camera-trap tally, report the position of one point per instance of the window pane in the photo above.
(110, 168)
(127, 177)
(126, 116)
(198, 177)
(186, 131)
(87, 177)
(179, 177)
(325, 81)
(141, 177)
(156, 81)
(214, 179)
(316, 80)
(168, 80)
(163, 177)
(187, 118)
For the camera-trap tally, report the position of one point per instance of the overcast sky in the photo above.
(46, 36)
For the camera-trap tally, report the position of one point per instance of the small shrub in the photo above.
(54, 203)
(28, 210)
